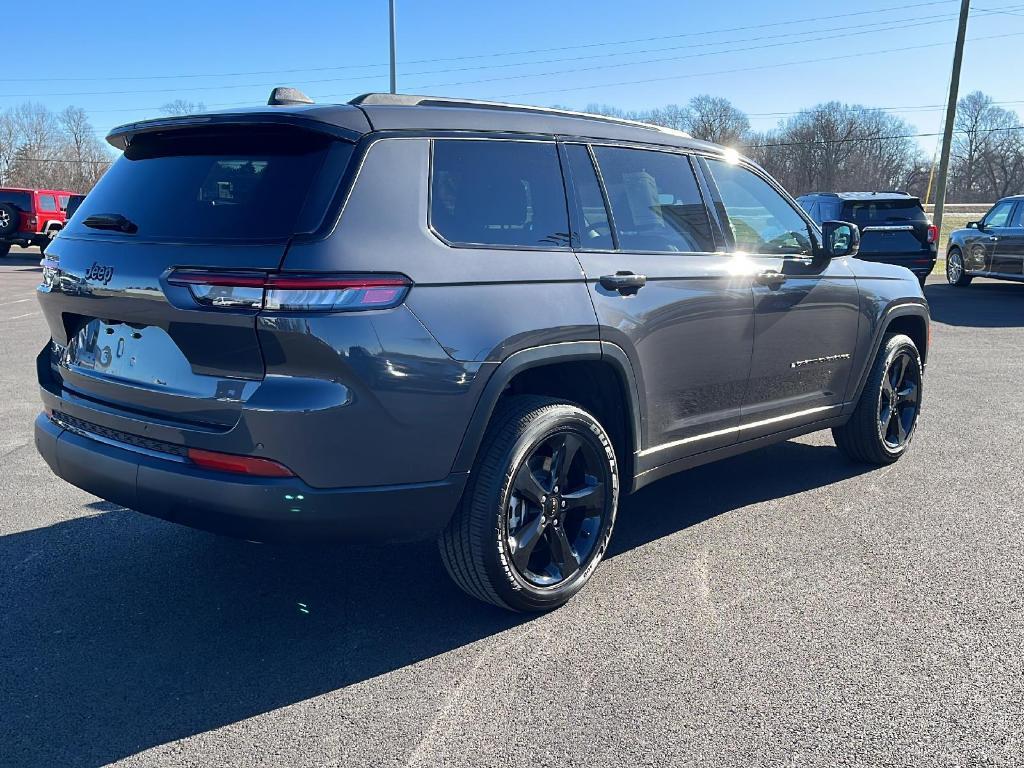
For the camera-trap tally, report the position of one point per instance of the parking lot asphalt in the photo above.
(785, 607)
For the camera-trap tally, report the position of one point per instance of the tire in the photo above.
(882, 426)
(5, 248)
(9, 219)
(496, 545)
(956, 274)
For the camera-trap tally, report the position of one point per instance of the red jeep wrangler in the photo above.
(31, 216)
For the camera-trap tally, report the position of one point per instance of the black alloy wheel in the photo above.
(898, 400)
(556, 509)
(539, 510)
(883, 423)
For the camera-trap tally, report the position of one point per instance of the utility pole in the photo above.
(391, 19)
(947, 132)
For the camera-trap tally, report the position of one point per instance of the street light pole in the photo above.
(947, 131)
(391, 19)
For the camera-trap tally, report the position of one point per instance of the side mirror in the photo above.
(973, 225)
(841, 238)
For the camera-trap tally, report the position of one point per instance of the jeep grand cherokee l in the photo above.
(409, 317)
(893, 225)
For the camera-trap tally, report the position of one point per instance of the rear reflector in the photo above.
(239, 465)
(282, 292)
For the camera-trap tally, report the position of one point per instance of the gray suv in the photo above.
(406, 318)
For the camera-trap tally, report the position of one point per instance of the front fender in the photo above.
(880, 322)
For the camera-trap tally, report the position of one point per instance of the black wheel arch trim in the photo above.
(533, 357)
(898, 308)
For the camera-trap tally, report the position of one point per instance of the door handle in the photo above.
(993, 238)
(626, 283)
(771, 278)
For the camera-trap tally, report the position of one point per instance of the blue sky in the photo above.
(121, 62)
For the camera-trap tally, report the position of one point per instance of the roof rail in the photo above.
(409, 100)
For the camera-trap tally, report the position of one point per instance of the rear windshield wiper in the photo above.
(113, 221)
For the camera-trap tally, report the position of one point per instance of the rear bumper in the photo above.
(260, 509)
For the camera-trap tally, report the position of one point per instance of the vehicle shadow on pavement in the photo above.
(983, 304)
(120, 632)
(691, 497)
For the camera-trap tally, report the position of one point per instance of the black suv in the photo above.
(411, 317)
(893, 225)
(991, 247)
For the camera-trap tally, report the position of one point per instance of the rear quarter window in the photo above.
(498, 193)
(48, 203)
(252, 184)
(20, 200)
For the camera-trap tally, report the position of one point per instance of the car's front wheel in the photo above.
(540, 508)
(956, 274)
(884, 421)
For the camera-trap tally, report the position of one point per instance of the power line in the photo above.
(902, 49)
(844, 35)
(645, 81)
(521, 52)
(787, 40)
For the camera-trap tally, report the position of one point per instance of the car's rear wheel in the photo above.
(540, 508)
(883, 424)
(5, 248)
(956, 274)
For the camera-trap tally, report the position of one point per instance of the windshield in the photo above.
(886, 212)
(233, 184)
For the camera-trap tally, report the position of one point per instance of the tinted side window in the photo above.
(999, 215)
(655, 201)
(498, 193)
(590, 214)
(1018, 217)
(20, 200)
(761, 219)
(47, 203)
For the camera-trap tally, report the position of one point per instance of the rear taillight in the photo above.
(283, 292)
(933, 233)
(239, 465)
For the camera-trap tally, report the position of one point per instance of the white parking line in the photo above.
(19, 317)
(16, 301)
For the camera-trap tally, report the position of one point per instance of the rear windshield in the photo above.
(20, 200)
(237, 185)
(885, 211)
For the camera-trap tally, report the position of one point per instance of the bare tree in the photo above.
(835, 146)
(987, 151)
(182, 107)
(714, 118)
(40, 149)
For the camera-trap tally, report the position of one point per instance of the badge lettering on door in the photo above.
(101, 273)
